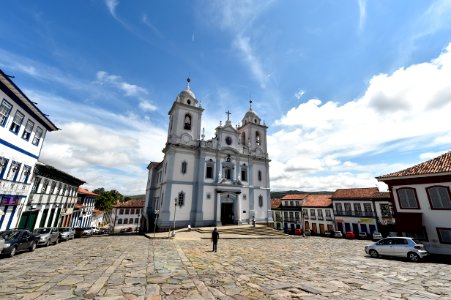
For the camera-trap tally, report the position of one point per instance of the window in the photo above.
(14, 170)
(292, 203)
(312, 213)
(17, 121)
(244, 172)
(444, 235)
(125, 221)
(348, 208)
(187, 122)
(259, 175)
(132, 211)
(358, 209)
(305, 212)
(243, 139)
(36, 183)
(28, 129)
(368, 209)
(37, 136)
(386, 211)
(119, 221)
(296, 216)
(52, 187)
(181, 199)
(25, 174)
(130, 221)
(136, 220)
(228, 173)
(3, 165)
(407, 198)
(210, 170)
(121, 211)
(257, 138)
(44, 186)
(5, 109)
(439, 197)
(260, 201)
(320, 213)
(127, 211)
(328, 214)
(184, 167)
(339, 208)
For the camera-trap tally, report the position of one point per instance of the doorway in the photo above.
(227, 215)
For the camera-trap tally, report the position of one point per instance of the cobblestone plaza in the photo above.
(135, 267)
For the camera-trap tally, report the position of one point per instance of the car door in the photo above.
(400, 247)
(23, 241)
(384, 246)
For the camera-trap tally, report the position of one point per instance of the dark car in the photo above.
(15, 240)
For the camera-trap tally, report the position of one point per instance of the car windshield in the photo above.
(9, 234)
(417, 241)
(42, 230)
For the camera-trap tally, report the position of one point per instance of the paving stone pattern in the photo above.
(134, 267)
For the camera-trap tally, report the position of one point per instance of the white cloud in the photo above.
(362, 14)
(405, 110)
(112, 4)
(242, 43)
(147, 106)
(116, 81)
(298, 95)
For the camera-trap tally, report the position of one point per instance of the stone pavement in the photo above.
(135, 267)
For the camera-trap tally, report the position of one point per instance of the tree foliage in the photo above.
(106, 199)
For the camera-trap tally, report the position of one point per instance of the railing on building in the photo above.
(328, 218)
(312, 217)
(320, 218)
(354, 213)
(13, 188)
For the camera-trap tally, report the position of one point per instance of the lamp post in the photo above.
(175, 210)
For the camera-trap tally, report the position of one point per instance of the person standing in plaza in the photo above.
(214, 239)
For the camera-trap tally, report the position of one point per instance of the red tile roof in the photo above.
(294, 197)
(317, 200)
(440, 164)
(131, 203)
(275, 202)
(356, 193)
(98, 212)
(85, 192)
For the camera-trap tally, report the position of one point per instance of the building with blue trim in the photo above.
(23, 128)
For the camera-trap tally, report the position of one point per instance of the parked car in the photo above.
(87, 231)
(66, 233)
(95, 230)
(48, 235)
(377, 236)
(338, 234)
(363, 235)
(298, 231)
(397, 246)
(15, 240)
(350, 235)
(328, 233)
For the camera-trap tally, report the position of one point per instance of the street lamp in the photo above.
(175, 210)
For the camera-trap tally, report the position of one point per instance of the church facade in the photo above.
(220, 181)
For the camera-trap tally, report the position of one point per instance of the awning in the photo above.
(409, 222)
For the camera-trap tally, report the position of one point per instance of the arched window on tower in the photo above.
(260, 201)
(259, 175)
(243, 139)
(184, 167)
(187, 122)
(181, 199)
(243, 172)
(257, 138)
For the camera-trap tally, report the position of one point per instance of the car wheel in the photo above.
(413, 256)
(48, 243)
(13, 252)
(373, 253)
(32, 247)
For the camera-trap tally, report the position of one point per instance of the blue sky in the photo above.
(350, 90)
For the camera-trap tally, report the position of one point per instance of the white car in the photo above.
(397, 246)
(377, 236)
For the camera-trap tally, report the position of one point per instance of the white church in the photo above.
(214, 182)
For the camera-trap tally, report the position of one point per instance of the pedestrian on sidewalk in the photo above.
(253, 221)
(214, 239)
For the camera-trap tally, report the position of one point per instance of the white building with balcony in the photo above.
(84, 208)
(23, 128)
(126, 216)
(421, 198)
(52, 198)
(362, 210)
(317, 214)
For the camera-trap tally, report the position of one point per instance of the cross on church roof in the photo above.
(228, 114)
(250, 105)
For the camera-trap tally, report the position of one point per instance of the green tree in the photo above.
(106, 199)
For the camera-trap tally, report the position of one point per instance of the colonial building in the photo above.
(291, 211)
(277, 214)
(126, 216)
(421, 197)
(52, 198)
(22, 131)
(84, 208)
(362, 210)
(317, 212)
(208, 182)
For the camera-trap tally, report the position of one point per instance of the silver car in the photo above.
(66, 233)
(397, 246)
(48, 235)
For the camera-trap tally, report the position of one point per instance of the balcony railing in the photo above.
(320, 218)
(13, 188)
(306, 217)
(313, 217)
(291, 220)
(354, 213)
(328, 218)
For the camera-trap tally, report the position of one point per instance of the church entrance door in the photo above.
(227, 216)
